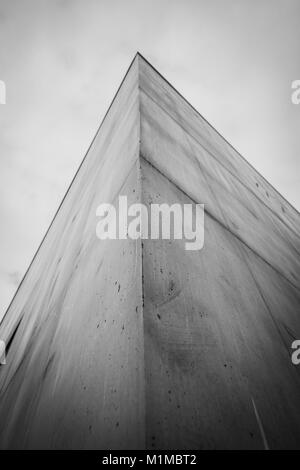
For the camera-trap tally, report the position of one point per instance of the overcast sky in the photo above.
(62, 61)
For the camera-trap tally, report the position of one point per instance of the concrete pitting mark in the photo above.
(170, 298)
(262, 432)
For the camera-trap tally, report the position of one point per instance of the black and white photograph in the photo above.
(150, 229)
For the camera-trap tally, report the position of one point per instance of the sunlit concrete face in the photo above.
(141, 344)
(80, 339)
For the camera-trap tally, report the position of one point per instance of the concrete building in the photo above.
(133, 344)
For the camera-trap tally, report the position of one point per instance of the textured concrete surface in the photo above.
(75, 368)
(129, 344)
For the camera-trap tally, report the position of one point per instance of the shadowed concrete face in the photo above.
(123, 344)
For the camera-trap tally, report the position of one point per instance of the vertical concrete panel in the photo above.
(219, 323)
(215, 357)
(75, 374)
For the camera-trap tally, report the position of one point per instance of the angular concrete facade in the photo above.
(130, 344)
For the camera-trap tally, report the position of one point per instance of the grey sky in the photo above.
(62, 61)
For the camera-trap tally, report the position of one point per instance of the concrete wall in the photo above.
(128, 344)
(75, 369)
(219, 322)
